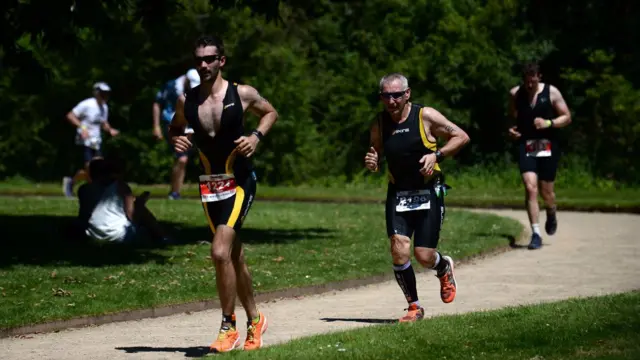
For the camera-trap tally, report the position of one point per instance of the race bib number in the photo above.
(413, 200)
(538, 148)
(217, 187)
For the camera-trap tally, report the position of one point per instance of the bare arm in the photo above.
(440, 126)
(375, 136)
(85, 208)
(156, 115)
(106, 126)
(561, 108)
(178, 122)
(258, 106)
(128, 199)
(374, 153)
(512, 111)
(73, 119)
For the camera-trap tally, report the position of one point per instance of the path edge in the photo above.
(266, 297)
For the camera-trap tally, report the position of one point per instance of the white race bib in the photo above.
(412, 200)
(538, 148)
(217, 187)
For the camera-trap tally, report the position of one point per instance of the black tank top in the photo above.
(217, 154)
(404, 145)
(526, 114)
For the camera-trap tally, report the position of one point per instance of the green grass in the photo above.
(465, 192)
(44, 276)
(481, 185)
(605, 327)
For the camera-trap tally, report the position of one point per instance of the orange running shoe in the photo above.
(254, 333)
(228, 339)
(448, 285)
(414, 313)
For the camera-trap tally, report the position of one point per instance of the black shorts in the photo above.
(89, 153)
(232, 211)
(544, 167)
(423, 225)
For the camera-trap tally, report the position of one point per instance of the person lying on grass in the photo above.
(110, 212)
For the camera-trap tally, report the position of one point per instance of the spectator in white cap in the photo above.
(164, 107)
(193, 77)
(89, 116)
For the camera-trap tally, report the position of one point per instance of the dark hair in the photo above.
(210, 40)
(98, 168)
(530, 69)
(115, 163)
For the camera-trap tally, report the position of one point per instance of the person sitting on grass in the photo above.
(110, 212)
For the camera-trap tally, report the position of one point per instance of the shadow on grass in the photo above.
(361, 320)
(46, 240)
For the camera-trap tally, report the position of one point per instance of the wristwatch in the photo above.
(258, 134)
(439, 156)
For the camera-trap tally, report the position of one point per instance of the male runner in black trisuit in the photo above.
(405, 133)
(215, 111)
(539, 110)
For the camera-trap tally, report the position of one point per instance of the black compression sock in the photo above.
(406, 278)
(442, 264)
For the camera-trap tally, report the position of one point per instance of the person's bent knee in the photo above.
(221, 247)
(140, 202)
(220, 254)
(547, 191)
(426, 256)
(532, 191)
(182, 159)
(531, 187)
(400, 249)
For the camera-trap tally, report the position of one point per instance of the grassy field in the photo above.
(494, 184)
(465, 192)
(593, 328)
(44, 276)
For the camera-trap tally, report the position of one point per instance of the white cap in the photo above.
(194, 78)
(102, 86)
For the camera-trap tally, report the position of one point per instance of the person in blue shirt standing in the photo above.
(164, 108)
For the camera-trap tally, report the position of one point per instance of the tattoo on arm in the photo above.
(450, 129)
(261, 98)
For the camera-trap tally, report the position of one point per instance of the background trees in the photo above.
(319, 62)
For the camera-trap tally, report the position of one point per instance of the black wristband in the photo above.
(258, 134)
(439, 156)
(173, 130)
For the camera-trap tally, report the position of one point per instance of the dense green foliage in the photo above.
(319, 65)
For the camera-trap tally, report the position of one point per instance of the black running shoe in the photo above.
(551, 225)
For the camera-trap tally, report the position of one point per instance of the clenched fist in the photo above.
(371, 159)
(181, 143)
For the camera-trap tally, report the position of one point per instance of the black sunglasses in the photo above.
(208, 59)
(393, 95)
